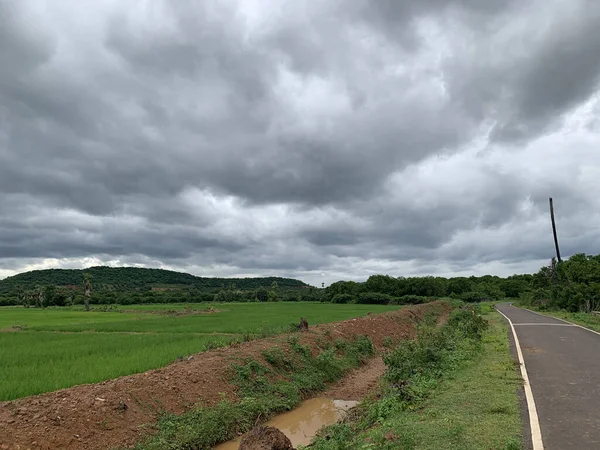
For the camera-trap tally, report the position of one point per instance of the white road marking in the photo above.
(534, 422)
(545, 324)
(562, 320)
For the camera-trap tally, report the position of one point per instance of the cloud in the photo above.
(263, 137)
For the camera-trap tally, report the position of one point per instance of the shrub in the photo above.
(374, 298)
(343, 298)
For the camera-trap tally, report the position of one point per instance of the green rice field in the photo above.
(54, 348)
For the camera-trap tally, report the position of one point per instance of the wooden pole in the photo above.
(554, 231)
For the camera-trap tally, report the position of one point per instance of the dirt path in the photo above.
(358, 383)
(118, 412)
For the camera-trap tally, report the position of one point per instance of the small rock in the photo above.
(122, 406)
(4, 447)
(100, 399)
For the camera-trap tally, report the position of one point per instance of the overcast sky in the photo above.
(321, 140)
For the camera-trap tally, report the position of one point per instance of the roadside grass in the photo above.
(36, 362)
(471, 405)
(55, 348)
(290, 375)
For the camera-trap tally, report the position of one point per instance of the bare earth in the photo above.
(119, 412)
(358, 383)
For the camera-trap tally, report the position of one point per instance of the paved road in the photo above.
(563, 364)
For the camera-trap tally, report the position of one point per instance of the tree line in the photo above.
(573, 284)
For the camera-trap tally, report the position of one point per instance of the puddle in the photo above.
(301, 424)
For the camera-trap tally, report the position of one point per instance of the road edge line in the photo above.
(534, 422)
(557, 318)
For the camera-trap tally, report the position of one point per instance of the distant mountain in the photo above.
(130, 278)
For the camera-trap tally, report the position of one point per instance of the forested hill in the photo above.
(129, 278)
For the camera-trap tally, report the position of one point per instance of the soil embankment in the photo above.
(118, 412)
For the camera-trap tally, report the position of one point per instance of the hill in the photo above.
(134, 278)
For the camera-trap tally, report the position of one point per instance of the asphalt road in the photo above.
(563, 364)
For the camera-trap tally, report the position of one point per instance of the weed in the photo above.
(450, 375)
(265, 390)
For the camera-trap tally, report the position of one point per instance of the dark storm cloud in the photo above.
(543, 72)
(296, 138)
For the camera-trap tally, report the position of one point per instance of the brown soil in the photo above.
(118, 412)
(265, 438)
(358, 383)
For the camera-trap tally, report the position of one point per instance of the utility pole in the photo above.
(554, 231)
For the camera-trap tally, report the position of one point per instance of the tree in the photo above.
(87, 290)
(274, 292)
(39, 297)
(262, 295)
(22, 296)
(49, 294)
(459, 285)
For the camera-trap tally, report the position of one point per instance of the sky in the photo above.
(317, 140)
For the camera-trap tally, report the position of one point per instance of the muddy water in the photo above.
(302, 424)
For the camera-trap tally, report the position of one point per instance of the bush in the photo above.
(435, 349)
(373, 298)
(413, 299)
(468, 323)
(474, 297)
(343, 298)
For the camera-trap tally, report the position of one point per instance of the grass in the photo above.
(55, 348)
(266, 389)
(233, 318)
(36, 362)
(471, 404)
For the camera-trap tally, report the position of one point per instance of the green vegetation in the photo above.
(453, 388)
(36, 362)
(125, 278)
(572, 285)
(384, 289)
(230, 318)
(131, 285)
(47, 349)
(266, 389)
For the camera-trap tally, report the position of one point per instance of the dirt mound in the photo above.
(118, 412)
(265, 438)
